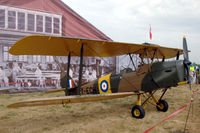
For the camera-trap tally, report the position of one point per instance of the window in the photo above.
(93, 60)
(48, 24)
(6, 55)
(49, 59)
(36, 58)
(21, 21)
(56, 25)
(11, 19)
(23, 58)
(39, 23)
(31, 22)
(2, 18)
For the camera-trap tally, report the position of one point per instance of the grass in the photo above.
(67, 108)
(2, 106)
(110, 116)
(4, 117)
(46, 129)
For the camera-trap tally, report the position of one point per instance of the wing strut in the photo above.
(154, 53)
(177, 56)
(132, 61)
(80, 70)
(64, 81)
(163, 59)
(67, 79)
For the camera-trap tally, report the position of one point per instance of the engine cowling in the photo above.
(164, 75)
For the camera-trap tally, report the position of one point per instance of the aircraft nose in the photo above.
(164, 75)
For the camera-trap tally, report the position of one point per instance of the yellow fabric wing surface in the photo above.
(61, 46)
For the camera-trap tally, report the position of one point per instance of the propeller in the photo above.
(186, 61)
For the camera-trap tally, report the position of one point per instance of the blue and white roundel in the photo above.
(104, 86)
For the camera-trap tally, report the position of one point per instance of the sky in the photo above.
(130, 20)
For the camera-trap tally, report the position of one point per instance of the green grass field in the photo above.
(111, 116)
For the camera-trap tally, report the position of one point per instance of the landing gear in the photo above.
(162, 105)
(138, 112)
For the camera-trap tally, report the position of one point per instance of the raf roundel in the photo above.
(104, 86)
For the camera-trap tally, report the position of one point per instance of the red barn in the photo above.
(20, 18)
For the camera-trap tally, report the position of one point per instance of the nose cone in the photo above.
(164, 75)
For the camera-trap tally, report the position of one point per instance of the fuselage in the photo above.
(146, 78)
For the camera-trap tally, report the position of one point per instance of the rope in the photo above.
(187, 118)
(175, 113)
(191, 101)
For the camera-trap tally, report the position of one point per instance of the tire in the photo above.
(163, 106)
(138, 112)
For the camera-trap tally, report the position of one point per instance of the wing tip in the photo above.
(11, 51)
(12, 106)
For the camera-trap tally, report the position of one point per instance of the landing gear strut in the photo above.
(138, 110)
(162, 105)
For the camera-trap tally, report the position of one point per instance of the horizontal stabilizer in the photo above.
(70, 99)
(5, 89)
(56, 90)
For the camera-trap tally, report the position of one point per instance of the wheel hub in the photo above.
(161, 106)
(136, 112)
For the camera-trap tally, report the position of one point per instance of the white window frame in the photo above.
(37, 58)
(23, 58)
(34, 17)
(4, 18)
(9, 57)
(49, 59)
(15, 19)
(24, 21)
(42, 23)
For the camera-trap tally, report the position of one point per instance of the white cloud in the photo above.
(128, 20)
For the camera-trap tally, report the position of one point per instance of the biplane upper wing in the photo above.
(70, 99)
(61, 46)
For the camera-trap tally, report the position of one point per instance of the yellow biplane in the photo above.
(153, 72)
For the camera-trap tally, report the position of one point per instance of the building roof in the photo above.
(73, 25)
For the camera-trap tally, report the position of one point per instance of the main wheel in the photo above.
(162, 105)
(138, 112)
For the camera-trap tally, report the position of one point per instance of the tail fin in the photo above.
(71, 84)
(66, 84)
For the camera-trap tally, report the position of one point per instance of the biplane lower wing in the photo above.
(70, 99)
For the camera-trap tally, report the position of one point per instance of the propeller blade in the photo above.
(186, 59)
(185, 49)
